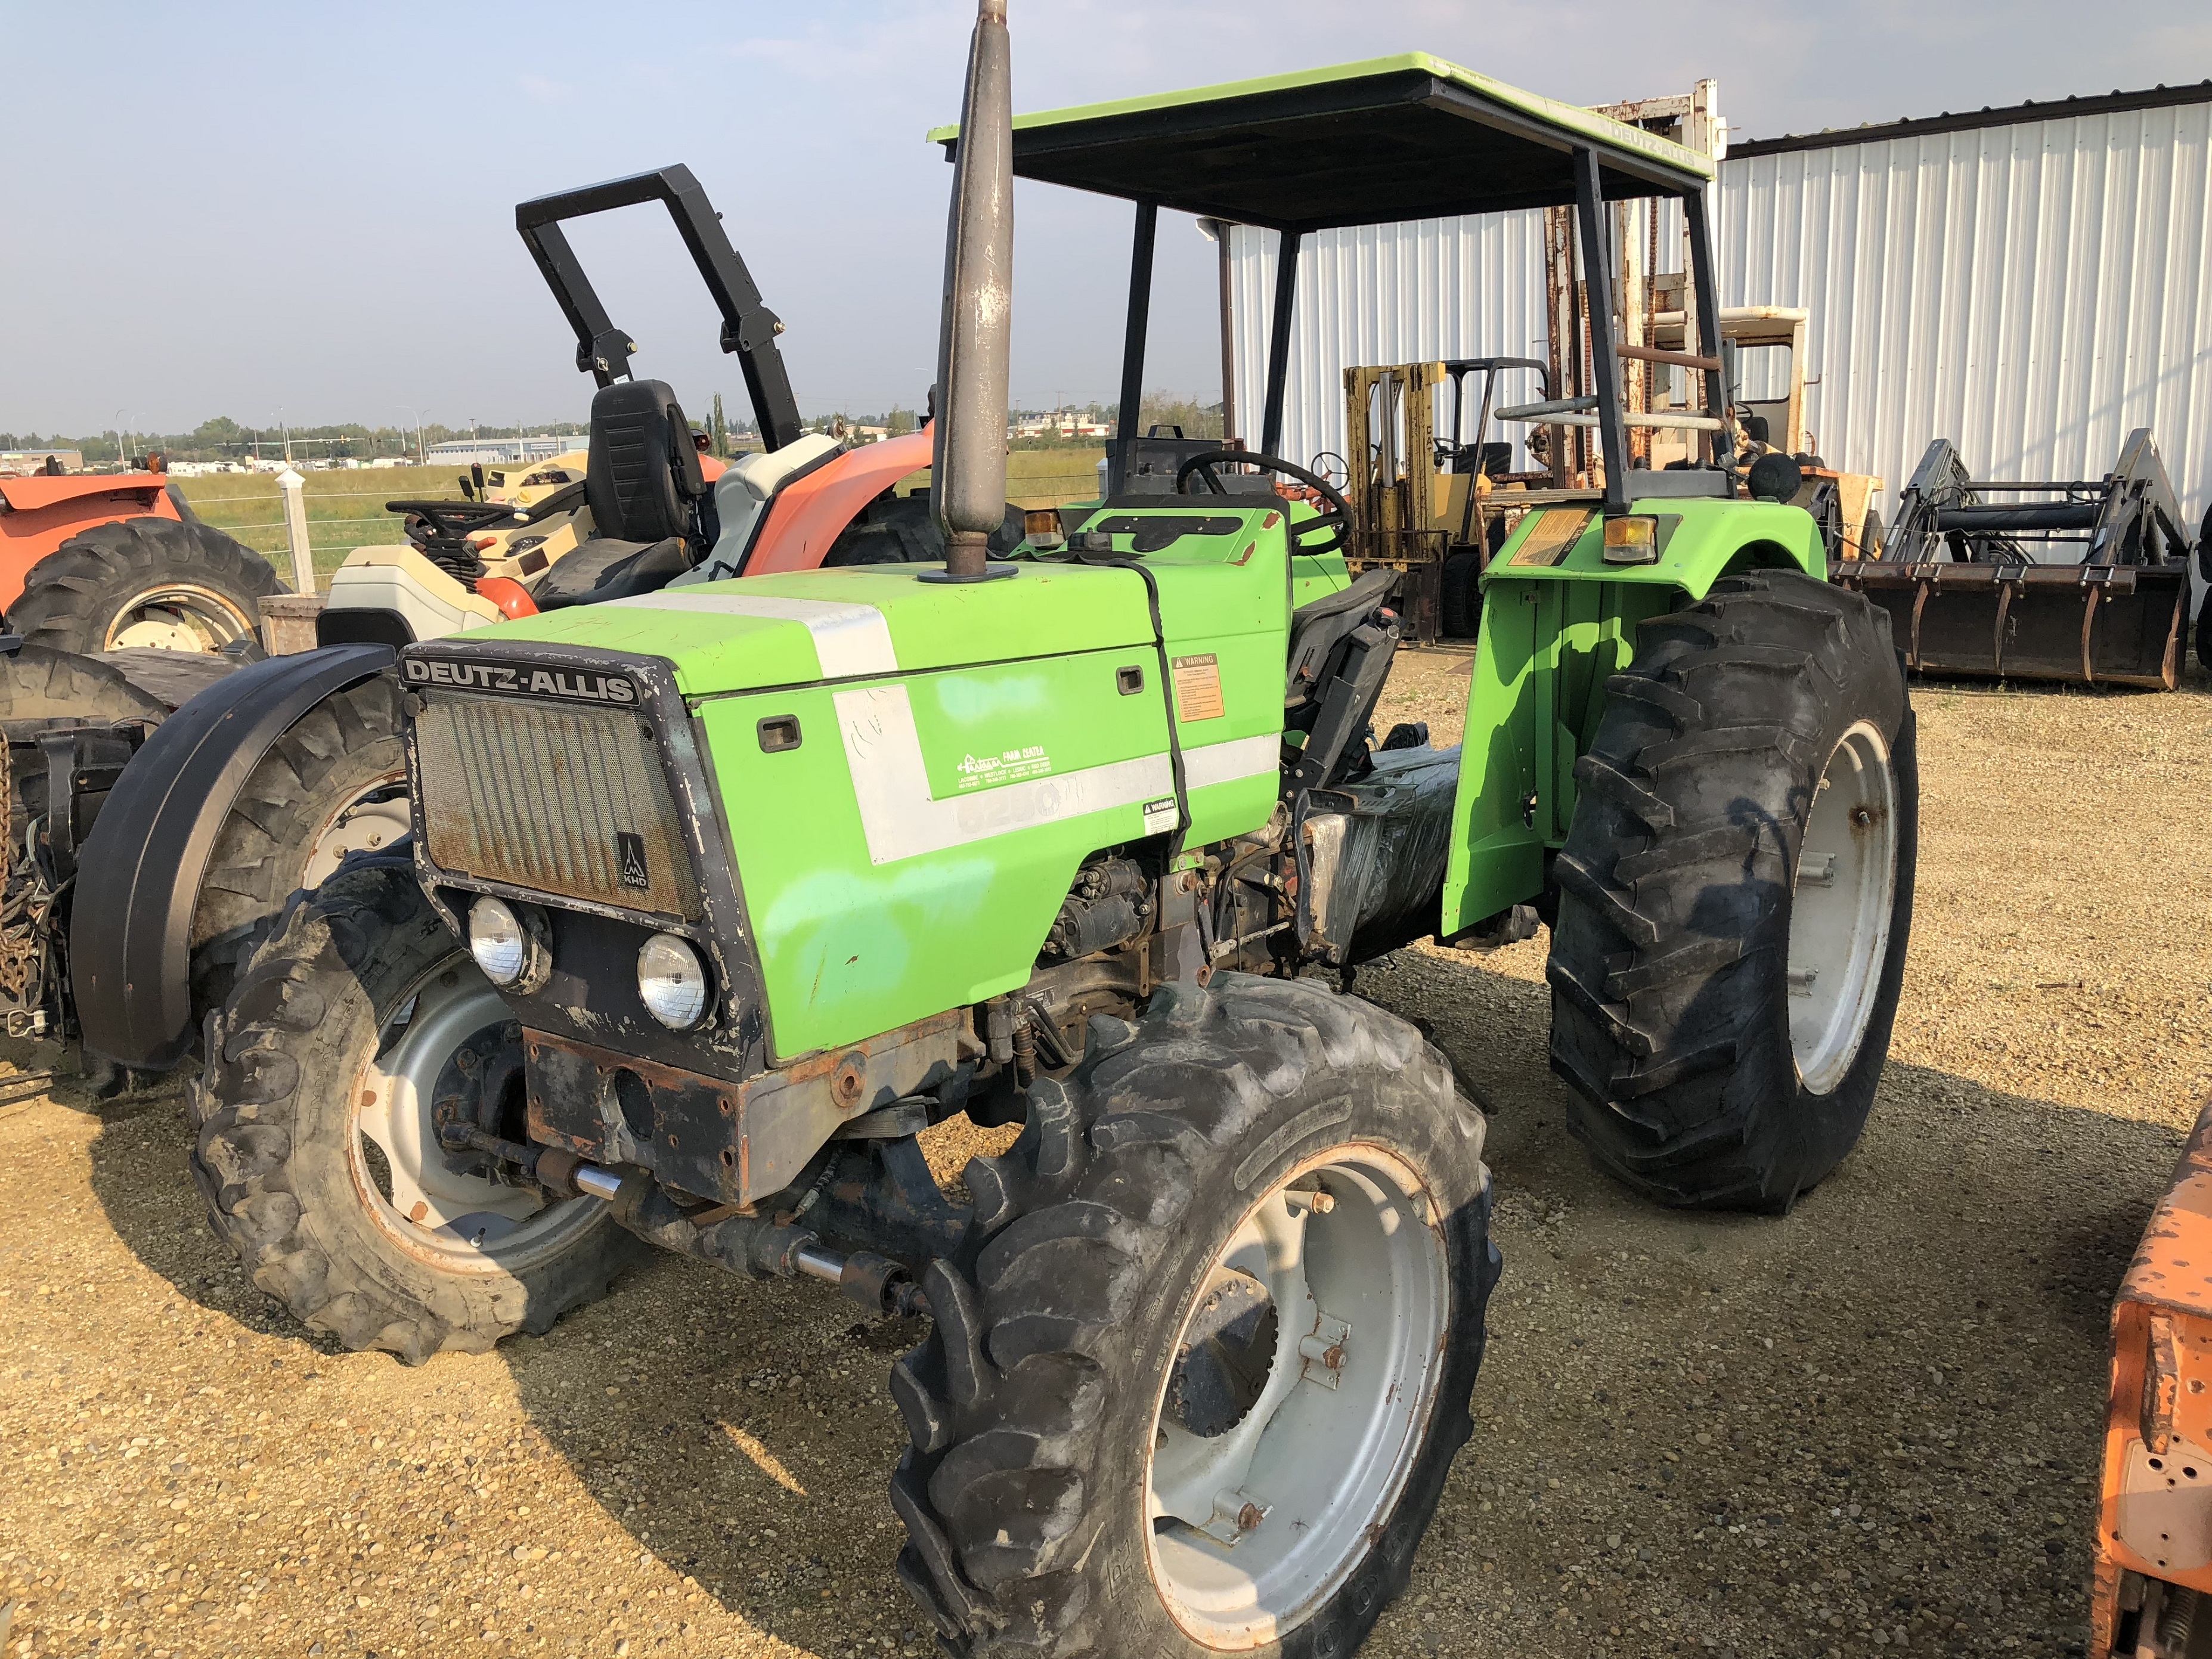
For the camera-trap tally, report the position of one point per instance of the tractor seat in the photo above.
(1319, 627)
(1340, 650)
(606, 568)
(642, 481)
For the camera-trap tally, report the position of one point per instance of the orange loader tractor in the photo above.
(2151, 1597)
(93, 561)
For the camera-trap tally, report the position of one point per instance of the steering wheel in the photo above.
(1334, 519)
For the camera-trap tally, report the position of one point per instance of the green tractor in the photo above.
(718, 896)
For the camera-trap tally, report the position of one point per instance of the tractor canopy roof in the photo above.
(1388, 139)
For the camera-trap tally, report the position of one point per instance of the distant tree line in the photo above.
(223, 438)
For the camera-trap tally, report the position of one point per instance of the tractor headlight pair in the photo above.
(511, 944)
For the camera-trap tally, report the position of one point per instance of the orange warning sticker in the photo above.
(1198, 688)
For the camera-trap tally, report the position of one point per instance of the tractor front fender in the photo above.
(130, 932)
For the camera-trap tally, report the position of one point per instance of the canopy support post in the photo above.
(1709, 320)
(1278, 341)
(1605, 363)
(1128, 419)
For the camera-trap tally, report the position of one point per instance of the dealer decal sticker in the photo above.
(1008, 766)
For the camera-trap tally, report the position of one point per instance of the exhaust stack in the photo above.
(968, 488)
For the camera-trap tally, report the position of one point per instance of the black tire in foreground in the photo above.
(1136, 1364)
(1460, 604)
(38, 684)
(144, 581)
(342, 1208)
(1735, 895)
(335, 783)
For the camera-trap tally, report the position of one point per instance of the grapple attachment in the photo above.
(2083, 581)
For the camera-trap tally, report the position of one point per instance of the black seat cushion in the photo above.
(604, 569)
(643, 475)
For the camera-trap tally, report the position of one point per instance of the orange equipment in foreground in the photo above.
(41, 512)
(2153, 1588)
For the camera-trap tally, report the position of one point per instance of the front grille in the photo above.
(545, 796)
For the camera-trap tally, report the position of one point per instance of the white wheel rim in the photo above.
(1251, 1530)
(458, 1223)
(1845, 889)
(178, 617)
(376, 816)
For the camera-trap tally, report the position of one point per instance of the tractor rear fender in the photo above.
(1557, 622)
(131, 934)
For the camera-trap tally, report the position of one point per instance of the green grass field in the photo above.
(345, 510)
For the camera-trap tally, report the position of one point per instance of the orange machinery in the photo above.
(38, 513)
(2151, 1592)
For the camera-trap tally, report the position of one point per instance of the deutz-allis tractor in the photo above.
(718, 896)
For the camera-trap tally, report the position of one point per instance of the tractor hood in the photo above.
(758, 632)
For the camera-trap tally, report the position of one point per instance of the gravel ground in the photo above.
(1872, 1424)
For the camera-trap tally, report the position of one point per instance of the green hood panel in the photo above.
(755, 632)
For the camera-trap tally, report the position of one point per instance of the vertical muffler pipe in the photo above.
(968, 462)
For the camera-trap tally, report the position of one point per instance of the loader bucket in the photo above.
(2082, 580)
(2090, 624)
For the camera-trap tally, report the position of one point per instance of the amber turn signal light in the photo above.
(1632, 538)
(1041, 527)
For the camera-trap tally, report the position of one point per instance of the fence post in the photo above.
(296, 529)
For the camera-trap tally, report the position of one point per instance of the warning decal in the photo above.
(1198, 688)
(1552, 535)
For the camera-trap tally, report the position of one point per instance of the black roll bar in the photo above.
(604, 351)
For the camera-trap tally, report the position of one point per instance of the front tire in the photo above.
(158, 582)
(1174, 1402)
(1735, 895)
(335, 783)
(353, 1025)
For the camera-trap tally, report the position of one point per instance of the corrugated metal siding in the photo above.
(2033, 292)
(1396, 293)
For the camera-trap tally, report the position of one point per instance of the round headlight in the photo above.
(496, 940)
(512, 953)
(671, 981)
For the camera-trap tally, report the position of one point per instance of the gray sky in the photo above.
(228, 209)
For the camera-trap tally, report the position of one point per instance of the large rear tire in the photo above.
(1199, 1367)
(1461, 602)
(147, 581)
(63, 689)
(1735, 895)
(318, 1155)
(335, 783)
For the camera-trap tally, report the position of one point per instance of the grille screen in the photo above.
(555, 798)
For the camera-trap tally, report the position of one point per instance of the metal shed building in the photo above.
(2032, 282)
